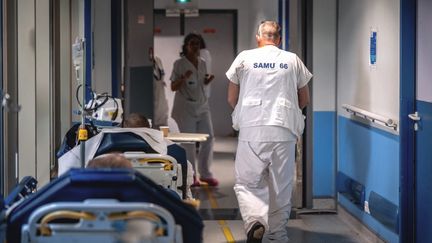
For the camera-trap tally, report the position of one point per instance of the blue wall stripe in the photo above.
(372, 223)
(384, 211)
(324, 160)
(351, 189)
(424, 173)
(370, 156)
(407, 99)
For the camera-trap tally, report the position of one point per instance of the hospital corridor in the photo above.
(213, 121)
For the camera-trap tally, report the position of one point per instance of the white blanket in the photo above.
(72, 159)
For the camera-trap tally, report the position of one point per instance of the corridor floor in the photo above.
(222, 219)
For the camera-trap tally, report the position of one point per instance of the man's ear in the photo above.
(258, 39)
(278, 41)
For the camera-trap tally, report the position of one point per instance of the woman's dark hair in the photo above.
(186, 40)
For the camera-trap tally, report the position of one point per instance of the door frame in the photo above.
(214, 11)
(10, 86)
(2, 172)
(408, 36)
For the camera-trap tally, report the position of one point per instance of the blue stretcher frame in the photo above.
(124, 185)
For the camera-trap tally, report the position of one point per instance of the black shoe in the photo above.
(256, 233)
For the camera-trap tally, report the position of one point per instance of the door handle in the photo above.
(415, 116)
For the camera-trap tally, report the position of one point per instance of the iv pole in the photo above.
(78, 56)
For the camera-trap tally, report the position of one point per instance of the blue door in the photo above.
(423, 136)
(2, 171)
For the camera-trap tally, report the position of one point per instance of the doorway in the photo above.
(218, 28)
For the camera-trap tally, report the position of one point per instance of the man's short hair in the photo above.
(269, 30)
(113, 160)
(134, 120)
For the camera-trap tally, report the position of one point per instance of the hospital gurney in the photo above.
(162, 169)
(101, 220)
(22, 190)
(145, 140)
(25, 187)
(124, 185)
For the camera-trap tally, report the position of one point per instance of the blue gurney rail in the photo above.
(123, 185)
(25, 187)
(101, 220)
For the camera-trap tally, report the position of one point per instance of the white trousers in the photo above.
(198, 123)
(264, 173)
(160, 105)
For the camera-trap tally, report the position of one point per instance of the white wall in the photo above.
(34, 90)
(250, 13)
(44, 93)
(101, 80)
(260, 10)
(65, 67)
(167, 48)
(101, 26)
(424, 58)
(77, 31)
(26, 81)
(324, 55)
(372, 89)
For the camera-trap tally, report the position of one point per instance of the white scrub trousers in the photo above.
(264, 173)
(200, 122)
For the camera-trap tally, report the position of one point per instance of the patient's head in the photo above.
(113, 160)
(136, 120)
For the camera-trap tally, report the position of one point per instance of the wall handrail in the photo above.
(375, 118)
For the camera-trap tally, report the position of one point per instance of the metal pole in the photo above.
(78, 56)
(82, 133)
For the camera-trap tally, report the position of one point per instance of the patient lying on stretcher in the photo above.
(150, 141)
(112, 161)
(136, 120)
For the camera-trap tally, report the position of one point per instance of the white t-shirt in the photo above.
(302, 74)
(193, 89)
(267, 63)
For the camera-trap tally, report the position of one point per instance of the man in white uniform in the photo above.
(267, 89)
(160, 105)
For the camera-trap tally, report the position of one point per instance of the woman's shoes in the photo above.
(205, 181)
(210, 181)
(195, 183)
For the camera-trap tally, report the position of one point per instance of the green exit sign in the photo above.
(183, 1)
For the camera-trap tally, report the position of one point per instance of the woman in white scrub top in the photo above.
(191, 109)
